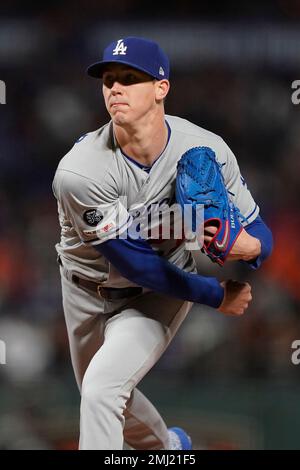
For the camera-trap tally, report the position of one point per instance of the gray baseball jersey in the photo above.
(99, 190)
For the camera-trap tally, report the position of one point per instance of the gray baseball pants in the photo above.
(110, 353)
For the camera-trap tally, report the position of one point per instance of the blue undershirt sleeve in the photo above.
(138, 262)
(260, 230)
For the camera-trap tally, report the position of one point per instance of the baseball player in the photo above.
(125, 296)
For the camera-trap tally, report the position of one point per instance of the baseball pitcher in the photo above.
(127, 288)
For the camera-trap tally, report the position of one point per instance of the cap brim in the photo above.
(96, 70)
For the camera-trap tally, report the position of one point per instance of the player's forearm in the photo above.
(164, 277)
(246, 248)
(254, 250)
(136, 261)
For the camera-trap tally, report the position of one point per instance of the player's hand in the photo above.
(245, 247)
(209, 232)
(237, 296)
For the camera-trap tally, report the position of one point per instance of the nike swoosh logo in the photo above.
(222, 244)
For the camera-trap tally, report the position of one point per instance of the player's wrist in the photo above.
(253, 250)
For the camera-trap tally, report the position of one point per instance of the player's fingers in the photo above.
(237, 286)
(247, 285)
(238, 311)
(207, 238)
(244, 287)
(210, 230)
(247, 295)
(243, 308)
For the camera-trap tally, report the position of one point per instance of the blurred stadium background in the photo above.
(230, 382)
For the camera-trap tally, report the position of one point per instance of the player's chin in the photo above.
(120, 118)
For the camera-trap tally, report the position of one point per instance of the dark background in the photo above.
(230, 382)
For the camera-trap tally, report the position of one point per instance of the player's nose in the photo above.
(116, 88)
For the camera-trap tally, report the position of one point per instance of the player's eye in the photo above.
(108, 80)
(129, 78)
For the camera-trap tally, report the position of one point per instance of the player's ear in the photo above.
(162, 89)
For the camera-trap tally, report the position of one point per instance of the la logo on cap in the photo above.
(120, 48)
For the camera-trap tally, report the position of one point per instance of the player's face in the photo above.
(129, 94)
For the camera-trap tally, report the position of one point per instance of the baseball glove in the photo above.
(200, 182)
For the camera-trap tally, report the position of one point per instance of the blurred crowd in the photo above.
(50, 103)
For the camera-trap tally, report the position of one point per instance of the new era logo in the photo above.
(161, 71)
(120, 48)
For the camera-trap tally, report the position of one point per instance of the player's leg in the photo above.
(85, 324)
(133, 343)
(144, 426)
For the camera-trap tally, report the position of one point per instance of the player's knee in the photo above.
(93, 393)
(102, 396)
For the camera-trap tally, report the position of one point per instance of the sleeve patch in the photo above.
(92, 217)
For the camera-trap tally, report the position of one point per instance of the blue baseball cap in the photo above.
(139, 53)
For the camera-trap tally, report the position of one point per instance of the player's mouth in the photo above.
(118, 104)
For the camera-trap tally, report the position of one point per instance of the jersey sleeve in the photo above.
(237, 187)
(137, 261)
(93, 209)
(260, 230)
